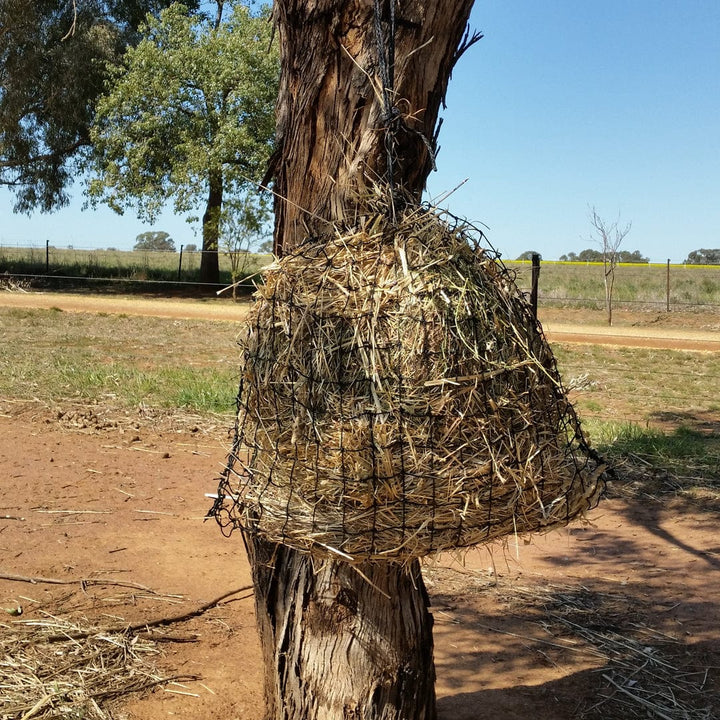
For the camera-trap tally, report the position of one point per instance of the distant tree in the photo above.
(188, 117)
(704, 257)
(54, 57)
(242, 228)
(191, 247)
(626, 256)
(528, 255)
(590, 255)
(154, 241)
(266, 247)
(609, 235)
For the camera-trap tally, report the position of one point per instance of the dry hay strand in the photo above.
(643, 676)
(13, 284)
(57, 667)
(398, 398)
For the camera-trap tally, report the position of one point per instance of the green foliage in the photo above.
(528, 255)
(53, 63)
(591, 255)
(625, 256)
(704, 257)
(154, 241)
(188, 117)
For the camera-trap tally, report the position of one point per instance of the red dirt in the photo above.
(129, 506)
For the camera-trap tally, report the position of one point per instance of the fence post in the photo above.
(47, 257)
(535, 282)
(180, 262)
(667, 286)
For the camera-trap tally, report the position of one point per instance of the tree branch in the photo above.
(157, 622)
(55, 155)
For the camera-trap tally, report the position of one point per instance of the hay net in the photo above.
(397, 398)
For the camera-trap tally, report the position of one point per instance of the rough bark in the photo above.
(342, 642)
(332, 114)
(209, 261)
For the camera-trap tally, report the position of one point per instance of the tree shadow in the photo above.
(559, 652)
(706, 422)
(600, 694)
(639, 626)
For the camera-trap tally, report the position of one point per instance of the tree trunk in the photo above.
(209, 261)
(332, 111)
(343, 642)
(609, 268)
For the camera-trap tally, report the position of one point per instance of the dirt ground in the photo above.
(127, 504)
(108, 518)
(676, 331)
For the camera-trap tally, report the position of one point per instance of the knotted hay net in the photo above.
(397, 398)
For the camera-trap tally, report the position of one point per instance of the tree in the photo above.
(634, 257)
(528, 255)
(191, 247)
(704, 257)
(188, 117)
(53, 63)
(590, 255)
(154, 241)
(339, 640)
(609, 236)
(241, 229)
(569, 257)
(593, 255)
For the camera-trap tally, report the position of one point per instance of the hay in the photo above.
(641, 672)
(398, 398)
(45, 673)
(62, 665)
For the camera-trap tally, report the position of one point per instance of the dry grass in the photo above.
(117, 362)
(642, 676)
(48, 672)
(398, 398)
(639, 671)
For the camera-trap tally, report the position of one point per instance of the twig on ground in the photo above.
(83, 582)
(157, 622)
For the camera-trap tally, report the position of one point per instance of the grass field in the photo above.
(141, 266)
(117, 361)
(650, 406)
(635, 285)
(560, 283)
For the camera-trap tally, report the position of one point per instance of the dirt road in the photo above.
(557, 330)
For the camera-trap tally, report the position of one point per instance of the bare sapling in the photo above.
(609, 235)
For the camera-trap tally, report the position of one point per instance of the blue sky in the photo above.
(562, 106)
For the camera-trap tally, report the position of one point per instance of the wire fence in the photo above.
(93, 268)
(653, 286)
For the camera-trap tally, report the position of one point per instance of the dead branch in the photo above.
(157, 622)
(83, 582)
